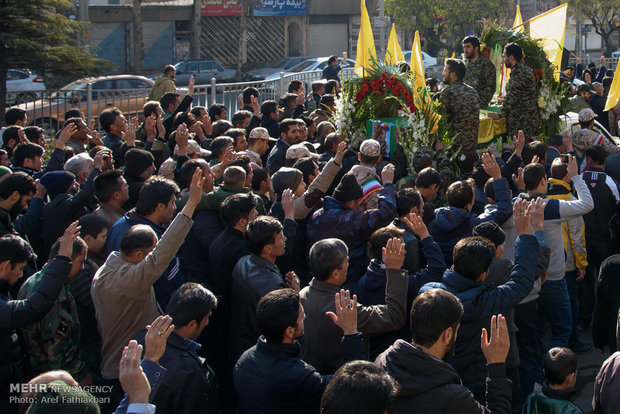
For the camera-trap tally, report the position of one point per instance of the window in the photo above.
(15, 75)
(131, 84)
(207, 66)
(103, 85)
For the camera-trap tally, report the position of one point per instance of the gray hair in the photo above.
(79, 163)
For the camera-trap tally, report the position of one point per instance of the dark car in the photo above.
(202, 70)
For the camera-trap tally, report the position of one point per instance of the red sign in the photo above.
(221, 8)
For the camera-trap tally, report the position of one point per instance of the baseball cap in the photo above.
(297, 151)
(586, 114)
(193, 148)
(260, 133)
(597, 87)
(370, 148)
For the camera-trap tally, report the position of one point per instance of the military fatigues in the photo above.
(520, 107)
(53, 342)
(583, 138)
(480, 75)
(460, 103)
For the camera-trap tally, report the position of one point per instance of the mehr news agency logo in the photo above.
(25, 393)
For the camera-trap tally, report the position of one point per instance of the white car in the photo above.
(23, 86)
(571, 121)
(311, 65)
(427, 60)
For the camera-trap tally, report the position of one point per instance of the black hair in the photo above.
(538, 148)
(13, 115)
(431, 83)
(258, 176)
(186, 118)
(406, 199)
(190, 302)
(514, 50)
(74, 113)
(285, 125)
(294, 85)
(307, 166)
(532, 175)
(15, 249)
(327, 101)
(458, 67)
(219, 145)
(240, 116)
(219, 128)
(366, 159)
(472, 256)
(235, 132)
(359, 387)
(558, 169)
(427, 177)
(168, 69)
(307, 120)
(75, 120)
(78, 248)
(276, 311)
(317, 86)
(25, 150)
(460, 193)
(18, 181)
(156, 190)
(106, 184)
(596, 153)
(432, 312)
(331, 87)
(559, 364)
(473, 40)
(184, 177)
(92, 225)
(237, 207)
(150, 108)
(107, 118)
(332, 59)
(10, 133)
(489, 190)
(268, 107)
(168, 99)
(379, 238)
(261, 232)
(286, 99)
(196, 111)
(33, 133)
(248, 93)
(326, 256)
(216, 110)
(242, 161)
(331, 140)
(138, 237)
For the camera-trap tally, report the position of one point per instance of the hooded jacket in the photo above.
(451, 224)
(428, 385)
(550, 401)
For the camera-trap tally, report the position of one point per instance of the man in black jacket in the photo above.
(289, 135)
(270, 377)
(188, 385)
(15, 314)
(427, 382)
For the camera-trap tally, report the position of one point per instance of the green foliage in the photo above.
(603, 14)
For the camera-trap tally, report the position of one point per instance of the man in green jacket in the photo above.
(164, 84)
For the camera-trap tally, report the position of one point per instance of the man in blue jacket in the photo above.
(466, 280)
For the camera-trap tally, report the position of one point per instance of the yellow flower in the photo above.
(541, 102)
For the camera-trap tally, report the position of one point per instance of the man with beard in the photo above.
(427, 383)
(480, 71)
(16, 191)
(520, 107)
(460, 103)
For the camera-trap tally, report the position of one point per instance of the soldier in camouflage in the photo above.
(460, 103)
(480, 73)
(520, 107)
(53, 342)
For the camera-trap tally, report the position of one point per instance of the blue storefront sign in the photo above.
(281, 8)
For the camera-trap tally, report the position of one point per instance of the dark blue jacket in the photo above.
(277, 156)
(270, 378)
(480, 302)
(353, 227)
(451, 224)
(171, 279)
(194, 253)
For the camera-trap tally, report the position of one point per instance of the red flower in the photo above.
(392, 80)
(384, 76)
(376, 84)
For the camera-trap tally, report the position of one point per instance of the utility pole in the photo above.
(578, 33)
(381, 22)
(196, 30)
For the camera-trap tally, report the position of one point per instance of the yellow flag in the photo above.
(614, 92)
(421, 98)
(550, 27)
(365, 43)
(517, 26)
(394, 53)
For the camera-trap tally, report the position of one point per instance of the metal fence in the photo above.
(48, 111)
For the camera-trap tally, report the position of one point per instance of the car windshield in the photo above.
(281, 63)
(69, 90)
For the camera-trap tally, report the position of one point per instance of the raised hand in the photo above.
(288, 204)
(491, 167)
(394, 254)
(387, 174)
(536, 213)
(519, 142)
(190, 85)
(292, 281)
(156, 336)
(496, 350)
(518, 179)
(521, 218)
(342, 149)
(150, 127)
(130, 375)
(415, 223)
(346, 312)
(195, 193)
(66, 241)
(66, 133)
(572, 169)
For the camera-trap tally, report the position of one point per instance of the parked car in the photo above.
(126, 92)
(310, 65)
(282, 65)
(203, 70)
(427, 60)
(23, 86)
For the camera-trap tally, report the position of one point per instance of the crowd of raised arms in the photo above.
(256, 262)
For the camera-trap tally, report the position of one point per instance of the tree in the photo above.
(604, 16)
(35, 34)
(444, 23)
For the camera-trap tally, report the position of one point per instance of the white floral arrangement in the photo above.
(549, 100)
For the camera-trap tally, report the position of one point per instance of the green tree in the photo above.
(38, 35)
(604, 17)
(444, 23)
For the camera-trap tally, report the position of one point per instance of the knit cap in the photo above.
(137, 160)
(348, 189)
(286, 178)
(57, 182)
(490, 230)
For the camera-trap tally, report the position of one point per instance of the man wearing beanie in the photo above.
(366, 174)
(340, 218)
(139, 167)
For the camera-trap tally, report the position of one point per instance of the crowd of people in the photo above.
(201, 261)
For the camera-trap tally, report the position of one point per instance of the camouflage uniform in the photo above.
(53, 342)
(520, 107)
(480, 75)
(460, 103)
(583, 138)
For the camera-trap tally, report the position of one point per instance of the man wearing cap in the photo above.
(366, 174)
(258, 144)
(582, 97)
(139, 167)
(297, 151)
(193, 150)
(340, 217)
(585, 137)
